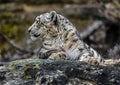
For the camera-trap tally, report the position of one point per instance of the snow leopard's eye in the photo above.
(37, 19)
(37, 22)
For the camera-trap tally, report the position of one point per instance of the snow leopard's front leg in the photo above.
(58, 55)
(89, 55)
(53, 52)
(90, 58)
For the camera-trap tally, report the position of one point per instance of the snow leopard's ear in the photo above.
(53, 15)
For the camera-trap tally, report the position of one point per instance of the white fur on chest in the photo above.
(73, 54)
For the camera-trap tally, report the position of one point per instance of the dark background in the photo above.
(17, 15)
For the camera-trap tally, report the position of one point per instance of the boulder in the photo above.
(60, 72)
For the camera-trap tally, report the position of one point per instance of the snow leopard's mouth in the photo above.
(34, 37)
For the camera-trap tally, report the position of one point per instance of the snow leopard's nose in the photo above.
(29, 30)
(31, 27)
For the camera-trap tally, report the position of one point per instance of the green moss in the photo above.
(7, 14)
(9, 30)
(25, 63)
(36, 66)
(26, 68)
(12, 68)
(116, 4)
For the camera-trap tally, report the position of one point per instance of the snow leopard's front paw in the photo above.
(91, 60)
(58, 55)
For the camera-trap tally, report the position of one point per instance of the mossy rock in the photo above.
(26, 68)
(59, 72)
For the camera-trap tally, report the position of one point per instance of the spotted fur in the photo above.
(61, 40)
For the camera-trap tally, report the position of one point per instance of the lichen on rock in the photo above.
(59, 72)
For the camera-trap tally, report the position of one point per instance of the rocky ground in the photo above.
(47, 72)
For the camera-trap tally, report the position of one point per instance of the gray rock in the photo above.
(61, 72)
